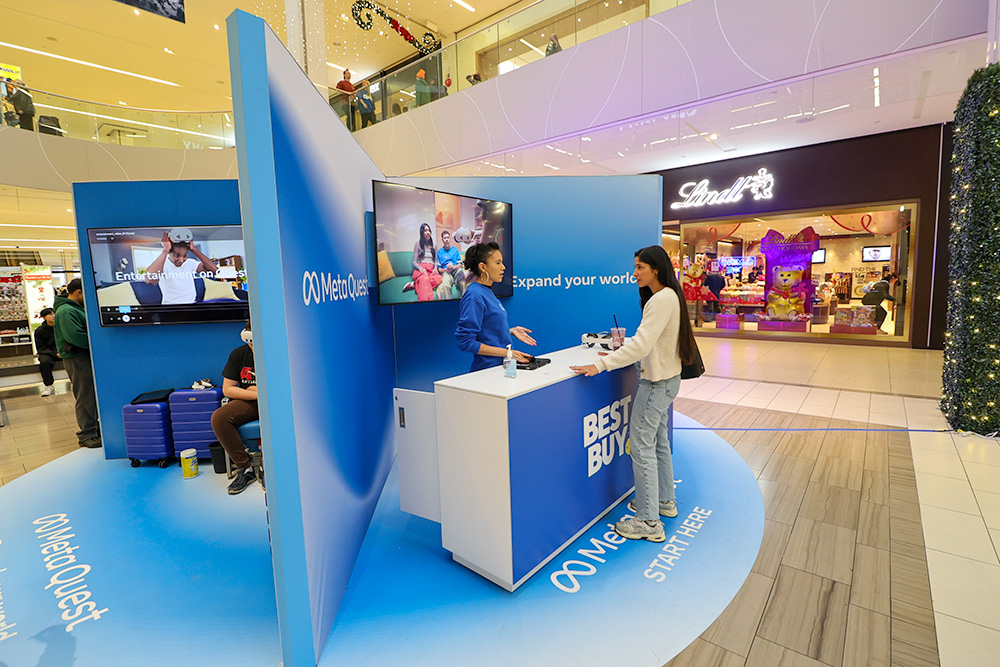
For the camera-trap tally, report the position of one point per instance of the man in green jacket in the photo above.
(74, 347)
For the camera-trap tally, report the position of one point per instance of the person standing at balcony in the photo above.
(347, 91)
(553, 45)
(366, 105)
(24, 107)
(423, 89)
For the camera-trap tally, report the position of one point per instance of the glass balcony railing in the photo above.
(541, 29)
(128, 126)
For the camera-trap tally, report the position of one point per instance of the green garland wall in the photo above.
(971, 375)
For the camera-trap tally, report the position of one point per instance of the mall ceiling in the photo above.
(186, 65)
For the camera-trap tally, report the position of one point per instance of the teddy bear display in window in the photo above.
(786, 300)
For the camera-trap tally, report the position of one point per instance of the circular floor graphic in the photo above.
(599, 602)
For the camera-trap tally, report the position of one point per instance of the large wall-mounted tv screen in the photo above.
(169, 275)
(421, 237)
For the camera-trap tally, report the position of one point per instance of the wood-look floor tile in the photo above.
(905, 530)
(914, 614)
(876, 436)
(838, 472)
(788, 470)
(843, 447)
(871, 581)
(781, 501)
(875, 487)
(901, 506)
(904, 548)
(831, 504)
(822, 549)
(803, 444)
(703, 412)
(755, 454)
(807, 614)
(868, 639)
(768, 654)
(876, 458)
(736, 627)
(900, 461)
(908, 655)
(703, 654)
(772, 547)
(873, 525)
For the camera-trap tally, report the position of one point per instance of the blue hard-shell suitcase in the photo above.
(148, 434)
(195, 399)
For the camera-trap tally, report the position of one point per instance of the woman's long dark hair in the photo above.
(657, 259)
(424, 242)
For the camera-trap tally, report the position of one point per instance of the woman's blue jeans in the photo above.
(650, 446)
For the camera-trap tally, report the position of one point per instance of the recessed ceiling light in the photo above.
(135, 11)
(69, 210)
(216, 26)
(123, 103)
(467, 6)
(166, 50)
(88, 64)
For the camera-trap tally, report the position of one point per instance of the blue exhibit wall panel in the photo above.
(574, 240)
(323, 348)
(557, 485)
(131, 360)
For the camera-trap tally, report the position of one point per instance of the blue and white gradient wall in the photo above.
(323, 349)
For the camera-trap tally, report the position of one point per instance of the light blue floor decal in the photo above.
(597, 603)
(104, 565)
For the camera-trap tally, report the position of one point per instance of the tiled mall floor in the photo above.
(881, 528)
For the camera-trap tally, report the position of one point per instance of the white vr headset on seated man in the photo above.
(247, 336)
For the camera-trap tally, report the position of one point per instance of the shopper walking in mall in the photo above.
(74, 348)
(879, 292)
(45, 346)
(663, 341)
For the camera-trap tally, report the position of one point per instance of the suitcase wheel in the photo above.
(135, 463)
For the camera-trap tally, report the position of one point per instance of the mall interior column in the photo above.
(305, 29)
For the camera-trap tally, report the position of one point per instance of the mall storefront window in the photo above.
(796, 244)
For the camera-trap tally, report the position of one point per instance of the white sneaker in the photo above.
(48, 391)
(668, 508)
(637, 529)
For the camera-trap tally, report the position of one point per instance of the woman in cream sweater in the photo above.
(663, 341)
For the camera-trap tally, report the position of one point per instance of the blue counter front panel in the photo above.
(568, 460)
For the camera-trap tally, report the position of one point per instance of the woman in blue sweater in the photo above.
(482, 328)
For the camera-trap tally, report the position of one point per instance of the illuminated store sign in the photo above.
(695, 194)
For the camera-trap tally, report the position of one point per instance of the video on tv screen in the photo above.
(876, 253)
(169, 275)
(421, 237)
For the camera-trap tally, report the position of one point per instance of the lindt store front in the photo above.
(803, 244)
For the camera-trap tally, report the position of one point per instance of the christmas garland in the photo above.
(362, 11)
(971, 375)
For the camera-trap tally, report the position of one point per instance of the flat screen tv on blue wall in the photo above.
(413, 225)
(169, 275)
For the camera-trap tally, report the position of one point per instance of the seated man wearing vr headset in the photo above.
(239, 385)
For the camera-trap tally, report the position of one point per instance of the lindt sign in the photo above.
(695, 194)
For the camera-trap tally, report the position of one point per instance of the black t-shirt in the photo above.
(240, 368)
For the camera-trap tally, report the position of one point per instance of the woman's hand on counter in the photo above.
(522, 357)
(589, 370)
(522, 335)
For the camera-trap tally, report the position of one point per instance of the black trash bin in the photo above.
(218, 457)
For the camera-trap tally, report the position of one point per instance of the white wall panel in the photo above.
(699, 50)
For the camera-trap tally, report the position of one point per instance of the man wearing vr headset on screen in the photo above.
(239, 385)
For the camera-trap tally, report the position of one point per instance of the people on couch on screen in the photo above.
(426, 276)
(482, 328)
(175, 270)
(449, 263)
(239, 385)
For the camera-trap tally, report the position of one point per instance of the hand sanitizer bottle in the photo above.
(510, 364)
